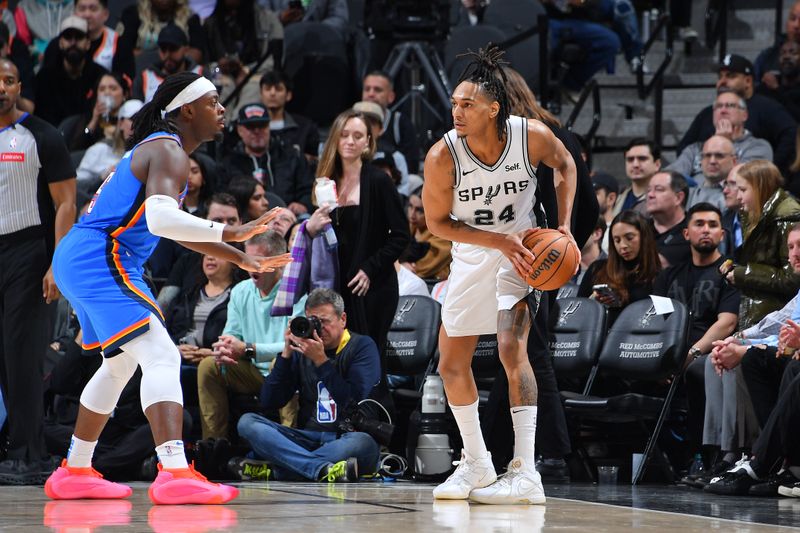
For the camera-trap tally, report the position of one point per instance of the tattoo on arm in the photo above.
(516, 320)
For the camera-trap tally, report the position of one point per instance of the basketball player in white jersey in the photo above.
(480, 189)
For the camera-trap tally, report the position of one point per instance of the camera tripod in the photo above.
(421, 58)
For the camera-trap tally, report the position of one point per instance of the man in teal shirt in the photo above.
(251, 340)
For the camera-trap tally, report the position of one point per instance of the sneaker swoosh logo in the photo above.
(465, 172)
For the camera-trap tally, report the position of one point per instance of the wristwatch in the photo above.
(249, 351)
(695, 352)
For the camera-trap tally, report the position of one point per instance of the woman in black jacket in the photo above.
(370, 226)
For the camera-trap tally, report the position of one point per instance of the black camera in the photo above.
(408, 20)
(303, 327)
(356, 419)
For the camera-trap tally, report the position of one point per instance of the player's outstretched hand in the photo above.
(566, 231)
(255, 263)
(254, 227)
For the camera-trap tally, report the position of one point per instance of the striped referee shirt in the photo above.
(32, 155)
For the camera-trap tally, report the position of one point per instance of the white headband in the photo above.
(190, 93)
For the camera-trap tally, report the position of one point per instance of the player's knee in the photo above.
(451, 367)
(512, 351)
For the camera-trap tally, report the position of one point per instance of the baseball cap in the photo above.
(253, 114)
(601, 180)
(736, 63)
(129, 108)
(369, 108)
(74, 22)
(172, 35)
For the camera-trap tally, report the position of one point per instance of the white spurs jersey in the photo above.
(498, 198)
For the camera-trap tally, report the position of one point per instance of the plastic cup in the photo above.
(607, 475)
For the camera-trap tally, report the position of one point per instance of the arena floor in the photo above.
(401, 508)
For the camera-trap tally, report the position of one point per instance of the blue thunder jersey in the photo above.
(118, 206)
(99, 264)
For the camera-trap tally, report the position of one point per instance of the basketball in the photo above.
(556, 259)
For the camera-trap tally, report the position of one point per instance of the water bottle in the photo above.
(697, 468)
(433, 399)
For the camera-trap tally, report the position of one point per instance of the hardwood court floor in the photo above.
(401, 508)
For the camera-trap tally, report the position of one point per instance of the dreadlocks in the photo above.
(486, 71)
(149, 119)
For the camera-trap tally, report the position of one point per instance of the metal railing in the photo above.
(592, 89)
(645, 89)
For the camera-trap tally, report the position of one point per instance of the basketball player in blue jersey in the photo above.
(98, 267)
(480, 189)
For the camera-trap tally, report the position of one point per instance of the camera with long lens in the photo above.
(304, 327)
(356, 419)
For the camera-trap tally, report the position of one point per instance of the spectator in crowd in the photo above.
(240, 33)
(37, 209)
(196, 321)
(375, 113)
(82, 130)
(730, 116)
(631, 267)
(606, 188)
(185, 270)
(173, 58)
(251, 199)
(680, 12)
(199, 187)
(334, 13)
(288, 129)
(766, 119)
(600, 43)
(280, 169)
(766, 68)
(13, 49)
(642, 161)
(104, 41)
(716, 161)
(104, 155)
(758, 354)
(369, 224)
(74, 74)
(37, 21)
(333, 369)
(398, 131)
(731, 217)
(283, 223)
(787, 89)
(592, 251)
(666, 205)
(141, 23)
(762, 272)
(435, 263)
(713, 305)
(250, 342)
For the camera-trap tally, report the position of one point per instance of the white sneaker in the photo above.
(520, 484)
(469, 475)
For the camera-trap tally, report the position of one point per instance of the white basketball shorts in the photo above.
(482, 282)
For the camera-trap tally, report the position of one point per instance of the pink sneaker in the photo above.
(187, 485)
(70, 483)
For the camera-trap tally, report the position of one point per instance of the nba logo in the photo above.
(326, 406)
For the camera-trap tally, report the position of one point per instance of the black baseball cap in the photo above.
(253, 114)
(736, 63)
(601, 180)
(172, 35)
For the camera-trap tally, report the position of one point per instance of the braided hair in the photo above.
(149, 120)
(486, 71)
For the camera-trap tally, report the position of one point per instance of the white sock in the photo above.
(171, 455)
(80, 453)
(470, 428)
(524, 419)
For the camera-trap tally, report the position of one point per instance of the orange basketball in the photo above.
(556, 259)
